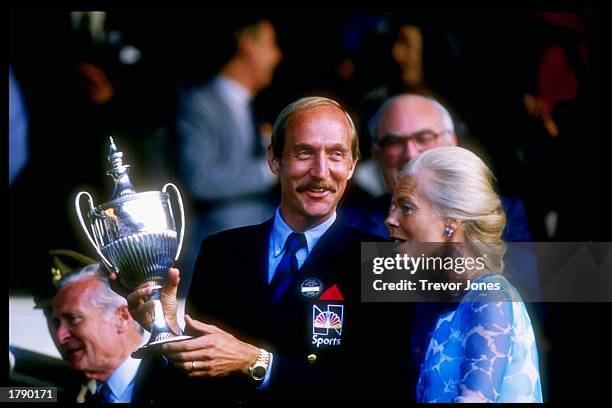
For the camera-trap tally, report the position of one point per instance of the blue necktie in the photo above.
(104, 393)
(288, 266)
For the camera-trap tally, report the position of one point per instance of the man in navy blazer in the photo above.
(306, 337)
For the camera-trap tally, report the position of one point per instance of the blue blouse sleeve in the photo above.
(486, 328)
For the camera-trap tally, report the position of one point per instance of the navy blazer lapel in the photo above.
(318, 264)
(147, 381)
(335, 237)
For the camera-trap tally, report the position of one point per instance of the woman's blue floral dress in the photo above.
(482, 351)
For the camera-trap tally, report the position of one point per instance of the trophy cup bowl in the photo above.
(135, 236)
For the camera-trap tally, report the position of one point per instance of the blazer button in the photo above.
(312, 358)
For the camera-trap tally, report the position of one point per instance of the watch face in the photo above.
(258, 373)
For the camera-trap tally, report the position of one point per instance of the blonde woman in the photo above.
(479, 350)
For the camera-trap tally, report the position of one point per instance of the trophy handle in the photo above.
(84, 226)
(180, 201)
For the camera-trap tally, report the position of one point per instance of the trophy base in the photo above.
(154, 348)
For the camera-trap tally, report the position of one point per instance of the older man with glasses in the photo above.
(403, 127)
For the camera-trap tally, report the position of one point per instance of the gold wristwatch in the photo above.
(257, 372)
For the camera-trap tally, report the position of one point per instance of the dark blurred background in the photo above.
(526, 88)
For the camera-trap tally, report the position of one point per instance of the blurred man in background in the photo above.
(405, 126)
(221, 149)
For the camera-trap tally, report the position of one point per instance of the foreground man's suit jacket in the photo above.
(358, 351)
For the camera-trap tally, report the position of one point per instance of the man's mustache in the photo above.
(315, 185)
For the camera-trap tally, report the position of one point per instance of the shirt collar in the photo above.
(232, 91)
(281, 231)
(123, 376)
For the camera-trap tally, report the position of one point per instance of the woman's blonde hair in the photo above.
(459, 185)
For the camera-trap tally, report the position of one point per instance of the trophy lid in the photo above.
(119, 173)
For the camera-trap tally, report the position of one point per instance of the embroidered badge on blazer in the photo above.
(327, 320)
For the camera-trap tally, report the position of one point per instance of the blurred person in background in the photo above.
(220, 146)
(18, 129)
(405, 126)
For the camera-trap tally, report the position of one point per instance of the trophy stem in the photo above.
(160, 331)
(159, 326)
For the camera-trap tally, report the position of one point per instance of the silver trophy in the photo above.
(135, 236)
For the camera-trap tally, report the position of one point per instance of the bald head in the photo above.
(409, 111)
(405, 126)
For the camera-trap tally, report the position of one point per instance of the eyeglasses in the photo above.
(395, 144)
